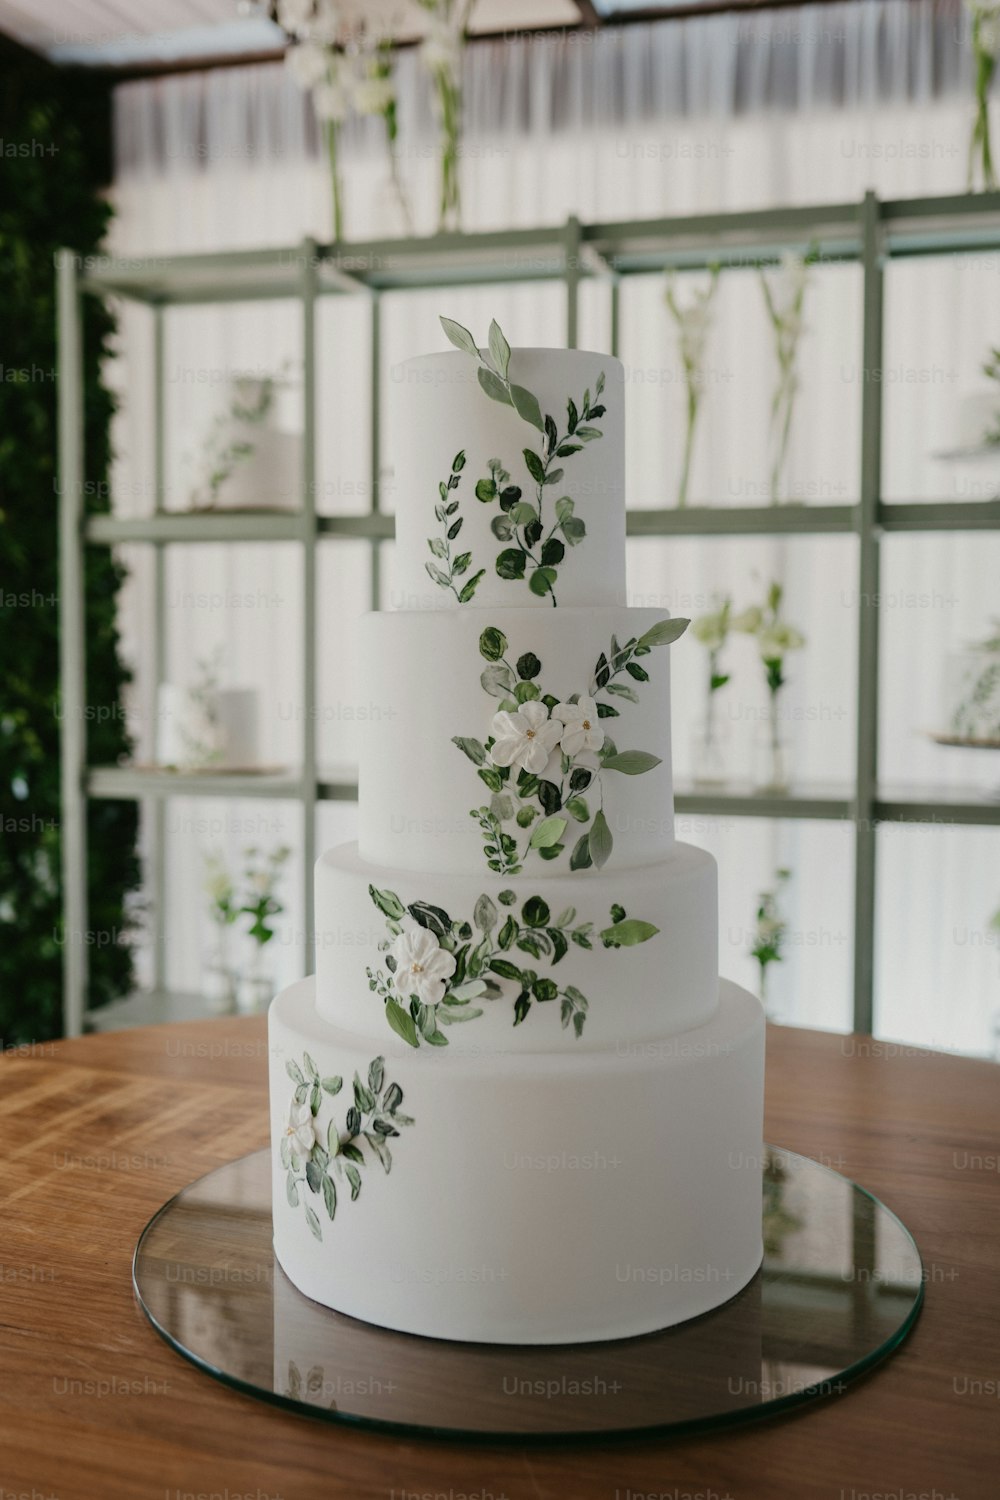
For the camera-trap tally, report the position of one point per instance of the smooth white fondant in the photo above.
(652, 990)
(542, 1198)
(441, 410)
(417, 788)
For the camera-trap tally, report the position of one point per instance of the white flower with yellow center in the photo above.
(423, 967)
(524, 740)
(581, 726)
(300, 1132)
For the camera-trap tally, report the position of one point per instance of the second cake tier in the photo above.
(569, 964)
(514, 741)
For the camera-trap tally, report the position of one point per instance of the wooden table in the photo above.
(97, 1133)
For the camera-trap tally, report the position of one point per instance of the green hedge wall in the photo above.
(54, 140)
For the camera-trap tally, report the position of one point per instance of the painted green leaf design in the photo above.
(376, 1074)
(492, 643)
(381, 1149)
(541, 581)
(493, 386)
(401, 1022)
(285, 1152)
(510, 563)
(460, 337)
(601, 841)
(499, 349)
(622, 690)
(526, 406)
(486, 491)
(393, 1098)
(291, 1191)
(535, 466)
(528, 666)
(504, 968)
(354, 1178)
(548, 832)
(294, 1071)
(333, 1138)
(664, 632)
(434, 918)
(535, 912)
(310, 1066)
(553, 552)
(574, 530)
(497, 679)
(352, 1152)
(388, 903)
(330, 1193)
(458, 463)
(315, 1098)
(363, 1096)
(472, 748)
(631, 762)
(578, 809)
(313, 1223)
(564, 508)
(470, 588)
(628, 933)
(485, 914)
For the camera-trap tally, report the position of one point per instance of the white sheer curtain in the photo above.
(724, 112)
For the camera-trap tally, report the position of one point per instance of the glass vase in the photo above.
(255, 989)
(218, 981)
(772, 758)
(710, 751)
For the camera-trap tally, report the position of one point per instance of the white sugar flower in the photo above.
(581, 726)
(525, 739)
(307, 64)
(423, 967)
(300, 1131)
(330, 101)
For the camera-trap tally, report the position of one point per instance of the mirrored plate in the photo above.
(840, 1288)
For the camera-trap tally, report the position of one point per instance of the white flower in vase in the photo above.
(301, 1129)
(373, 96)
(295, 16)
(330, 101)
(442, 46)
(307, 64)
(581, 726)
(423, 967)
(525, 739)
(773, 641)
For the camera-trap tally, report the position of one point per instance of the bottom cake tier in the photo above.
(530, 1199)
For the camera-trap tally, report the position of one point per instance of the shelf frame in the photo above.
(870, 233)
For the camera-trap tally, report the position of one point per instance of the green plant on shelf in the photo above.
(774, 637)
(769, 935)
(985, 18)
(693, 321)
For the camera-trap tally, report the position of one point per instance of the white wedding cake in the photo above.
(516, 1104)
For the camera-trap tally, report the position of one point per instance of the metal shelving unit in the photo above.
(869, 233)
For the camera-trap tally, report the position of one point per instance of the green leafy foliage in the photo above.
(373, 1119)
(55, 128)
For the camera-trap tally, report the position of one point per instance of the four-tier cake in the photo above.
(516, 1104)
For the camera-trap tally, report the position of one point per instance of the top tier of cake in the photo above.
(509, 492)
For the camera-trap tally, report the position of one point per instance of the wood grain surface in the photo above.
(95, 1134)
